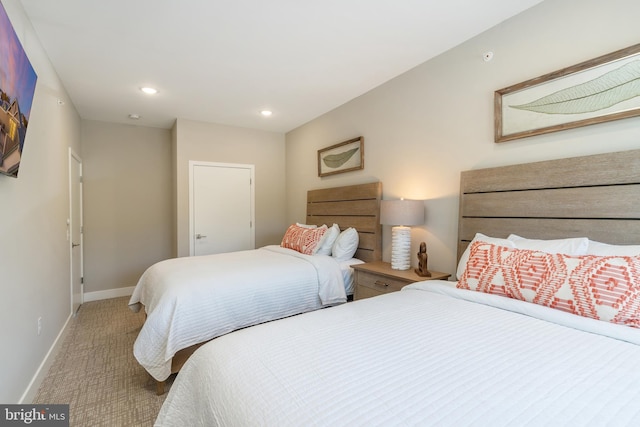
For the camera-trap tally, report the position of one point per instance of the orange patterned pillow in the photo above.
(600, 287)
(302, 239)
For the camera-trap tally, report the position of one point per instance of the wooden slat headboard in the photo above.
(356, 206)
(595, 196)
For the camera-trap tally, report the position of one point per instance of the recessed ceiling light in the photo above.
(266, 113)
(149, 90)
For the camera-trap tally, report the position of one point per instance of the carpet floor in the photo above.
(95, 371)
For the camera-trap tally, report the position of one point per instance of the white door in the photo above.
(221, 207)
(75, 229)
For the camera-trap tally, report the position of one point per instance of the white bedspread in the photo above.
(429, 355)
(194, 299)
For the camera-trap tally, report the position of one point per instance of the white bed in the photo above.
(534, 333)
(428, 355)
(194, 299)
(191, 300)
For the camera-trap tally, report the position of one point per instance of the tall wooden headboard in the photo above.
(595, 196)
(356, 206)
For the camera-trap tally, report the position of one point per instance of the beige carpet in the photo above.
(96, 373)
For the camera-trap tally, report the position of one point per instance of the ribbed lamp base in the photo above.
(401, 248)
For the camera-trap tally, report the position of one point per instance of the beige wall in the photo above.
(424, 127)
(210, 142)
(127, 202)
(34, 250)
(135, 192)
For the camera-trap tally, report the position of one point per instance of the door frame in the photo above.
(74, 157)
(252, 169)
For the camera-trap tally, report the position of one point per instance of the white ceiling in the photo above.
(222, 61)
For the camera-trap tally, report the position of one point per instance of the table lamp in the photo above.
(401, 214)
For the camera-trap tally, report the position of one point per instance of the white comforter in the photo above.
(194, 299)
(430, 355)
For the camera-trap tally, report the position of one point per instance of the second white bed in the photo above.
(194, 299)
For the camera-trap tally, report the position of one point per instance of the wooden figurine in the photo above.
(422, 261)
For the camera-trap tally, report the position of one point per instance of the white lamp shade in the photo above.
(400, 214)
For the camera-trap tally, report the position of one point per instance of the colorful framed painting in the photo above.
(343, 157)
(596, 91)
(17, 86)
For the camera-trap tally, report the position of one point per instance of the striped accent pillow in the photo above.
(600, 287)
(302, 239)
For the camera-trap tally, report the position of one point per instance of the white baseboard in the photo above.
(109, 293)
(43, 369)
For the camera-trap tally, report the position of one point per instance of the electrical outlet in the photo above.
(39, 325)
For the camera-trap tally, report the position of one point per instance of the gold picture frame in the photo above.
(599, 90)
(342, 157)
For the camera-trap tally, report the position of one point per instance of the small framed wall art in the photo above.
(596, 91)
(343, 157)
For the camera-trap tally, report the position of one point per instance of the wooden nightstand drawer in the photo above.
(380, 283)
(363, 292)
(377, 278)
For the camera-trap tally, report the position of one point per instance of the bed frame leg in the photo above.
(159, 388)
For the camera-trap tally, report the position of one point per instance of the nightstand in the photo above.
(377, 278)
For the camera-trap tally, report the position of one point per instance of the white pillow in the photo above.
(345, 245)
(306, 225)
(605, 249)
(571, 246)
(462, 264)
(328, 239)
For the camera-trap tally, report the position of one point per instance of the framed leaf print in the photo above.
(599, 90)
(343, 157)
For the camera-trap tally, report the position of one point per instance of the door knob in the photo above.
(73, 245)
(200, 236)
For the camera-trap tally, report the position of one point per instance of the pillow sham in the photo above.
(462, 264)
(570, 246)
(328, 239)
(605, 249)
(306, 225)
(302, 239)
(599, 287)
(346, 244)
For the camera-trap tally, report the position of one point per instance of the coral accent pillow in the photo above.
(600, 287)
(479, 236)
(302, 239)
